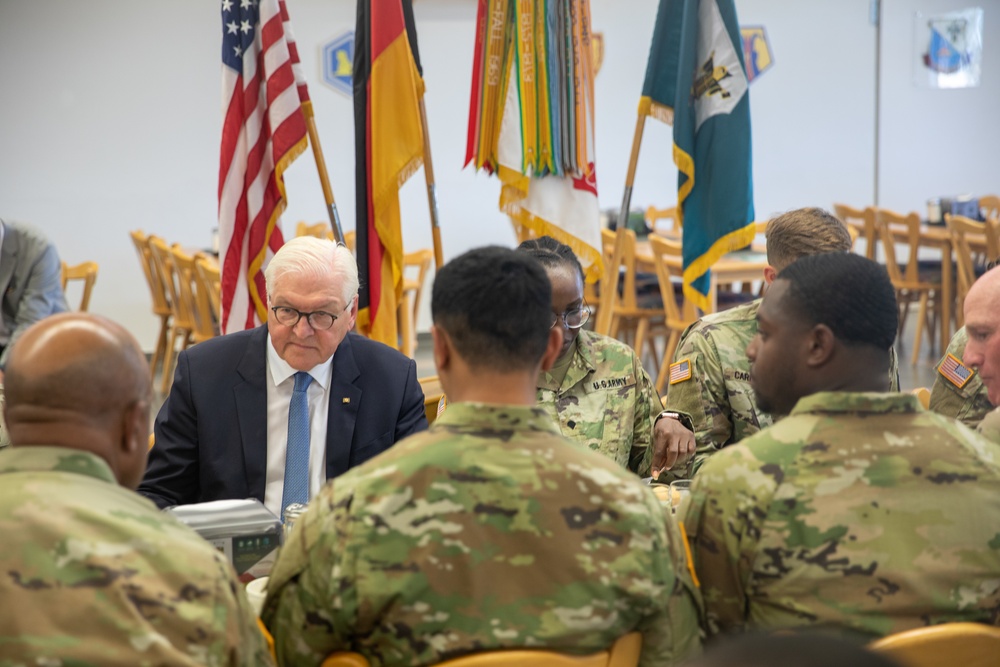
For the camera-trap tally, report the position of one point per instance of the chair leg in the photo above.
(668, 356)
(921, 323)
(168, 362)
(405, 326)
(640, 336)
(161, 344)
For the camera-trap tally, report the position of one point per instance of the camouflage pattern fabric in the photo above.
(989, 427)
(94, 574)
(488, 531)
(4, 437)
(968, 404)
(858, 511)
(718, 396)
(606, 402)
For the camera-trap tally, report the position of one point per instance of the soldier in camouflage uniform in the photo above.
(859, 510)
(712, 378)
(491, 530)
(597, 391)
(958, 392)
(94, 575)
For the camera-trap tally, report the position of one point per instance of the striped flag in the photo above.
(263, 130)
(955, 371)
(388, 145)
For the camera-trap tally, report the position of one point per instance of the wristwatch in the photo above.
(668, 414)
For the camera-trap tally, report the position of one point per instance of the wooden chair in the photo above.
(860, 224)
(989, 207)
(433, 393)
(193, 295)
(87, 272)
(181, 313)
(669, 261)
(623, 653)
(912, 283)
(923, 395)
(970, 264)
(158, 292)
(965, 644)
(634, 315)
(322, 230)
(409, 305)
(655, 215)
(209, 275)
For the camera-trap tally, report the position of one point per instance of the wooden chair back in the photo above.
(194, 303)
(989, 206)
(974, 243)
(623, 653)
(209, 275)
(409, 305)
(966, 644)
(628, 314)
(433, 393)
(892, 225)
(182, 313)
(158, 292)
(860, 224)
(662, 219)
(320, 230)
(669, 262)
(85, 272)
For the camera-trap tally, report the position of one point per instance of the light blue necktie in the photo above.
(296, 489)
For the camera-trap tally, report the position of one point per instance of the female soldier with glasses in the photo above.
(597, 391)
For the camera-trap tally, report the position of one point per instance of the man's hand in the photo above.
(673, 445)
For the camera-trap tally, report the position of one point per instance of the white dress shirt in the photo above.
(280, 382)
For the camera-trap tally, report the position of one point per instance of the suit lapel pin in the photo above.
(346, 400)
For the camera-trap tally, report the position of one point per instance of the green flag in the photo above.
(696, 70)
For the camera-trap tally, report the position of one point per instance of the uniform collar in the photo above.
(55, 459)
(580, 367)
(827, 402)
(490, 417)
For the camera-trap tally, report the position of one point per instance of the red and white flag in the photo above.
(263, 130)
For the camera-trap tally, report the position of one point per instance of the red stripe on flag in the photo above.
(387, 24)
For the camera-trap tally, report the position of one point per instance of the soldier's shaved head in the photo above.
(81, 381)
(982, 323)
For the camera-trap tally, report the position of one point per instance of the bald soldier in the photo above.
(710, 376)
(860, 510)
(491, 530)
(982, 352)
(94, 574)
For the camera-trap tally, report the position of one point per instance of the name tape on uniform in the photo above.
(613, 383)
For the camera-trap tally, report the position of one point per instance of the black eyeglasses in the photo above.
(574, 318)
(319, 319)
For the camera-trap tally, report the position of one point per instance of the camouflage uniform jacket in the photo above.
(968, 403)
(606, 401)
(95, 575)
(488, 531)
(857, 511)
(718, 395)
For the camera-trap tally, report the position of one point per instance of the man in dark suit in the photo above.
(241, 404)
(30, 282)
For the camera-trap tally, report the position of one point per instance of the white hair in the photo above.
(313, 257)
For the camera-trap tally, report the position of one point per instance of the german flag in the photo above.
(389, 146)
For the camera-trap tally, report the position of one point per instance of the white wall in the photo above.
(111, 118)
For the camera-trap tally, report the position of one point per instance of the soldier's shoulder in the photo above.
(989, 428)
(738, 323)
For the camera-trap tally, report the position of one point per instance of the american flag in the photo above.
(680, 371)
(955, 371)
(263, 131)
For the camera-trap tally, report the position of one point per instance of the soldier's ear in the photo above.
(442, 348)
(553, 348)
(822, 342)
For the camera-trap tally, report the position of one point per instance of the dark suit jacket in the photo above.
(211, 433)
(30, 282)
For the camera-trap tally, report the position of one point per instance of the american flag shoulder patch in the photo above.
(680, 371)
(955, 371)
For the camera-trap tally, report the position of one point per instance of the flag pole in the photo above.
(324, 178)
(609, 287)
(431, 188)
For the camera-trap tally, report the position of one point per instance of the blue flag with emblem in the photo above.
(696, 73)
